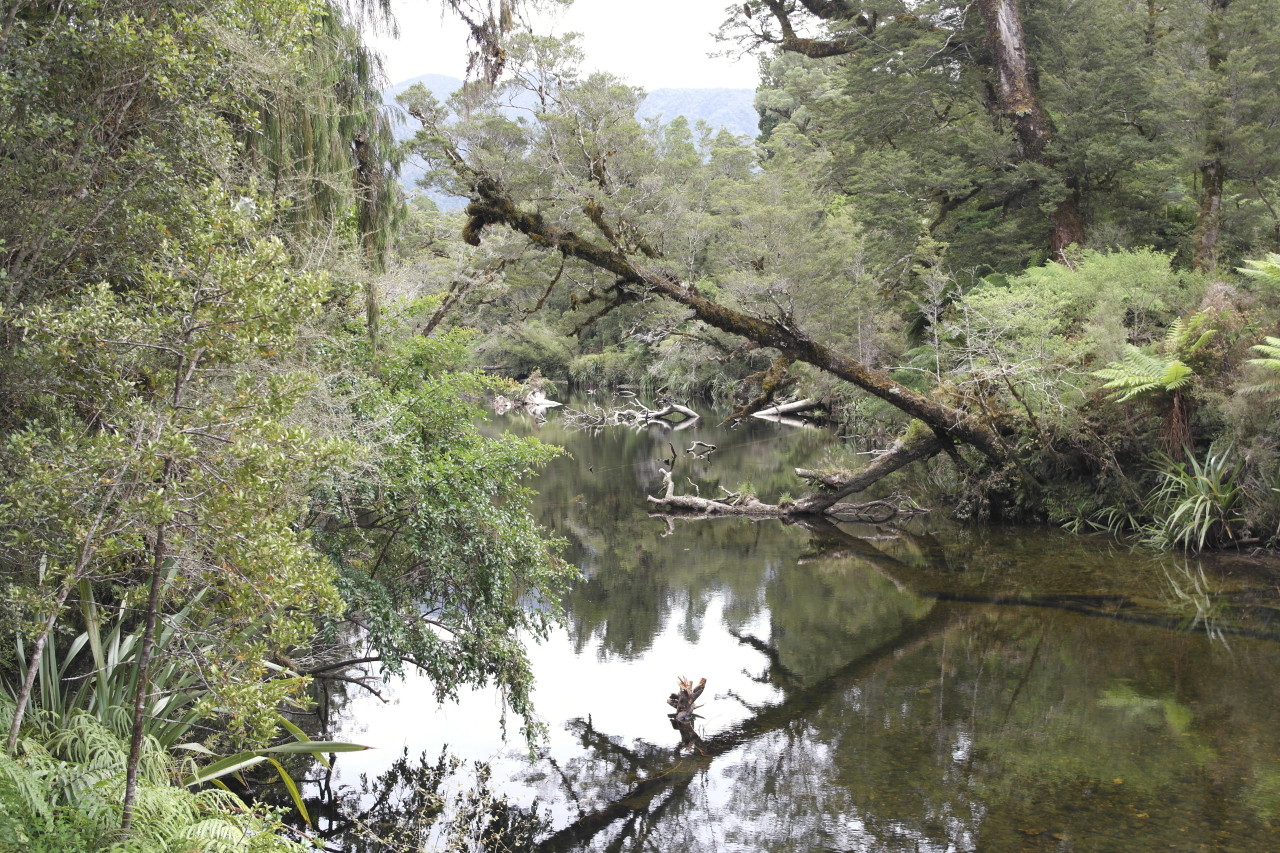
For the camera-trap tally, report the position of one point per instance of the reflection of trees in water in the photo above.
(633, 575)
(1052, 724)
(423, 804)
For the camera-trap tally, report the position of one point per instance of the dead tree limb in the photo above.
(833, 487)
(912, 446)
(492, 206)
(794, 406)
(775, 717)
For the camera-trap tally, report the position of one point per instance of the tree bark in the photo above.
(804, 405)
(143, 688)
(834, 487)
(33, 665)
(1018, 103)
(1204, 257)
(907, 449)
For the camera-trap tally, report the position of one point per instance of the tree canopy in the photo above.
(211, 437)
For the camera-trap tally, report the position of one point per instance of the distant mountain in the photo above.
(731, 109)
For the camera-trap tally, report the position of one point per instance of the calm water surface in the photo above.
(868, 689)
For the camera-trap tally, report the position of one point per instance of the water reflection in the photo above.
(868, 689)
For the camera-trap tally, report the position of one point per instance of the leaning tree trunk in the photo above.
(493, 207)
(33, 666)
(1018, 104)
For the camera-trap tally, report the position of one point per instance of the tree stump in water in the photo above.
(683, 701)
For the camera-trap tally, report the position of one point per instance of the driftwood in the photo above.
(831, 488)
(642, 796)
(683, 700)
(784, 420)
(791, 408)
(672, 415)
(682, 720)
(536, 403)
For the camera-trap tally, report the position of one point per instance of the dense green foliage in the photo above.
(224, 470)
(238, 439)
(891, 214)
(61, 793)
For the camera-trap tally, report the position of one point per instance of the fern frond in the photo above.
(24, 790)
(1187, 335)
(1270, 362)
(1173, 335)
(1266, 270)
(1270, 352)
(1176, 375)
(1141, 373)
(74, 789)
(216, 835)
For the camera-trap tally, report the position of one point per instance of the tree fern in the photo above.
(1187, 336)
(1270, 362)
(62, 793)
(1163, 376)
(1266, 270)
(1141, 373)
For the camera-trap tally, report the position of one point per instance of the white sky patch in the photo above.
(655, 44)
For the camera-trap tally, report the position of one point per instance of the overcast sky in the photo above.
(636, 41)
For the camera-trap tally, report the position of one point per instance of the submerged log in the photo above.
(736, 504)
(671, 409)
(784, 420)
(539, 400)
(671, 415)
(536, 403)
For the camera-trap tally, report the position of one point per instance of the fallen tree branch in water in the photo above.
(641, 796)
(833, 487)
(640, 416)
(791, 408)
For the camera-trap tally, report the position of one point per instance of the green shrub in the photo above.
(1196, 505)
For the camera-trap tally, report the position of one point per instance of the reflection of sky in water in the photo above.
(625, 699)
(972, 727)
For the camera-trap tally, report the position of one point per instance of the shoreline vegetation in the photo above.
(240, 368)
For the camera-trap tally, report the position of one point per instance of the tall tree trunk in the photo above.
(1017, 101)
(186, 368)
(367, 181)
(143, 688)
(1204, 257)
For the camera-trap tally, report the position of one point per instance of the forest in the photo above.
(1032, 249)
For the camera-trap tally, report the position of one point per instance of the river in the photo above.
(927, 687)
